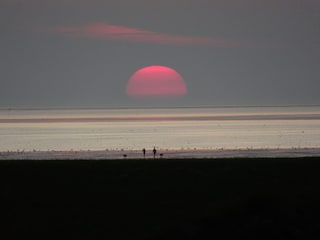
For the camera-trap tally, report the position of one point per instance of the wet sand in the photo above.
(254, 198)
(161, 154)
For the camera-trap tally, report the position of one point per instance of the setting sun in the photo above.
(156, 81)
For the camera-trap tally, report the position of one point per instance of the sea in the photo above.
(199, 128)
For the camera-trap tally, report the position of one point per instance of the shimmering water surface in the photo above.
(174, 128)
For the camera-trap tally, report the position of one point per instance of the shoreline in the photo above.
(161, 154)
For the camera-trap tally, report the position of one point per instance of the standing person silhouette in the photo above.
(144, 152)
(154, 152)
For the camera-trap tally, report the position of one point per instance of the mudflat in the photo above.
(255, 198)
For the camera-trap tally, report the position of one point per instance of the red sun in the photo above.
(156, 81)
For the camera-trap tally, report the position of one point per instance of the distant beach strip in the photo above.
(161, 154)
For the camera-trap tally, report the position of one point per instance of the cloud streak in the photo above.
(123, 33)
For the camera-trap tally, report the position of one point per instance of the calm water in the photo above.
(182, 128)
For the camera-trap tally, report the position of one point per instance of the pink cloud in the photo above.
(115, 32)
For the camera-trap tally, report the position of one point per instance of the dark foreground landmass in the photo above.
(162, 199)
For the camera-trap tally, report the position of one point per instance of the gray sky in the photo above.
(81, 53)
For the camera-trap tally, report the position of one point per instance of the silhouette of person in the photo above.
(144, 152)
(154, 152)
